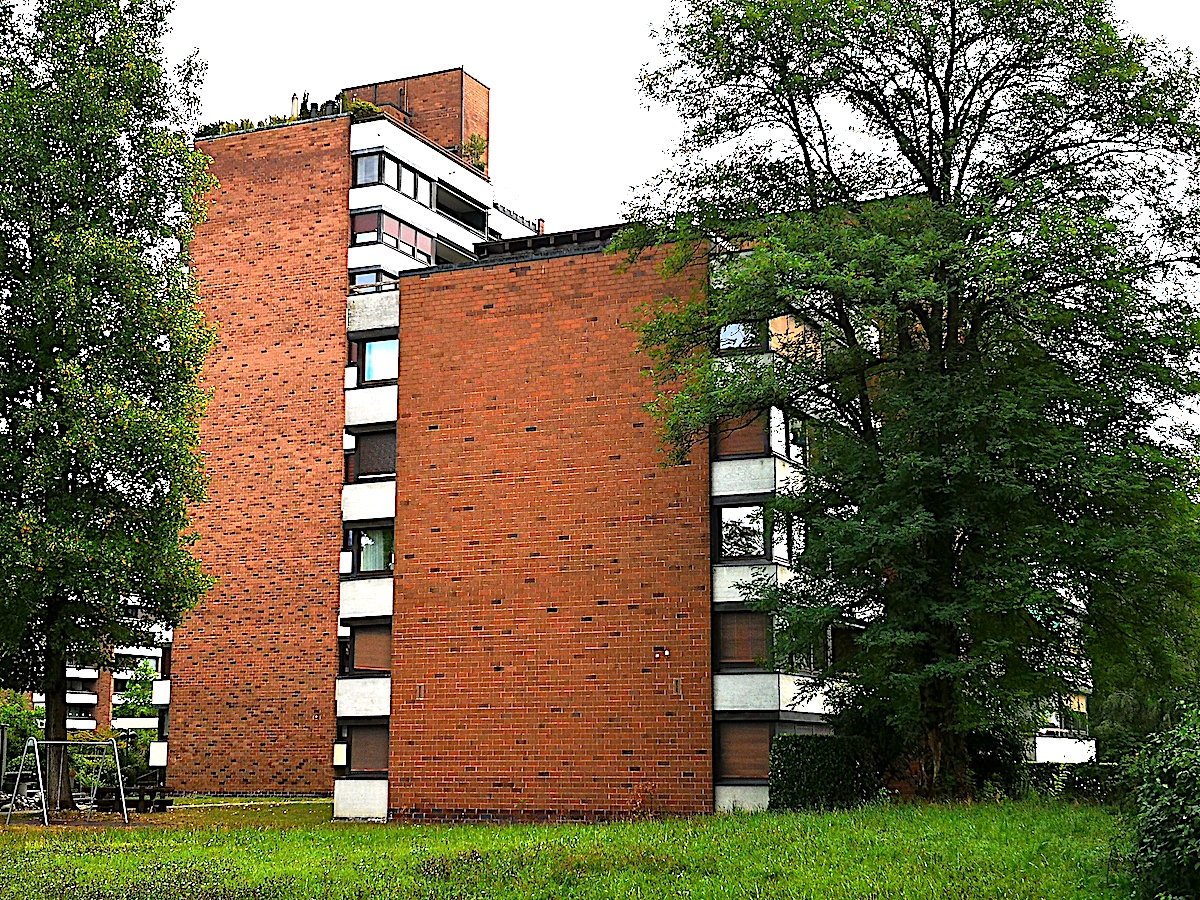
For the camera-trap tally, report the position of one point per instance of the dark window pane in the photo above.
(743, 750)
(368, 748)
(741, 638)
(376, 453)
(372, 648)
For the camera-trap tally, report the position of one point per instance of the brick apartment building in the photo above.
(454, 579)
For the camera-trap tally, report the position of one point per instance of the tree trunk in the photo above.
(945, 767)
(55, 763)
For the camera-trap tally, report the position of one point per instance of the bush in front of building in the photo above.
(822, 772)
(1089, 782)
(1166, 812)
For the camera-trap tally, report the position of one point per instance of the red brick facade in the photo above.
(552, 613)
(252, 680)
(446, 107)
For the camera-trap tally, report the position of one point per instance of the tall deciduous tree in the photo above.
(983, 216)
(101, 341)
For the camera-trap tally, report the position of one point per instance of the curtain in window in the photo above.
(375, 550)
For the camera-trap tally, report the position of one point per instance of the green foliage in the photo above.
(22, 720)
(137, 700)
(1166, 817)
(96, 768)
(101, 339)
(968, 212)
(1091, 782)
(898, 852)
(822, 772)
(362, 110)
(474, 151)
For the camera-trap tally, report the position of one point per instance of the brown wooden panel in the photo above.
(368, 748)
(376, 452)
(741, 638)
(746, 436)
(743, 750)
(372, 648)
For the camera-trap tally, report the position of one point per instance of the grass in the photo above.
(269, 851)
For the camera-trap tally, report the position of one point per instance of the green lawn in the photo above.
(290, 851)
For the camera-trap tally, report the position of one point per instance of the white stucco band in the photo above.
(744, 797)
(369, 500)
(366, 598)
(364, 697)
(369, 406)
(360, 798)
(766, 692)
(370, 311)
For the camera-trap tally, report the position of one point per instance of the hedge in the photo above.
(822, 772)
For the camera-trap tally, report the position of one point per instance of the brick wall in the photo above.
(447, 107)
(253, 667)
(552, 637)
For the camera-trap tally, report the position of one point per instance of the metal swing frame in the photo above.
(35, 744)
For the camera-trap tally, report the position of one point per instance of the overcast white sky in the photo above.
(569, 134)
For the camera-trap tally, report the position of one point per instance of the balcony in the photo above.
(369, 500)
(358, 697)
(766, 692)
(160, 692)
(360, 798)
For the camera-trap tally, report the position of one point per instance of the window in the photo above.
(366, 748)
(743, 336)
(742, 437)
(751, 532)
(377, 359)
(383, 228)
(742, 642)
(369, 649)
(743, 751)
(368, 550)
(366, 169)
(367, 281)
(373, 456)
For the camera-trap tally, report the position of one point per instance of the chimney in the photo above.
(541, 226)
(295, 107)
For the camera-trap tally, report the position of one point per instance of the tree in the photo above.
(968, 229)
(101, 341)
(137, 700)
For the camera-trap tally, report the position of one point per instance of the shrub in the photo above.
(1166, 815)
(822, 772)
(1089, 782)
(22, 720)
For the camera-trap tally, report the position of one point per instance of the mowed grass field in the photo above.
(268, 851)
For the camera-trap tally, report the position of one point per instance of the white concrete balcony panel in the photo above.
(381, 256)
(727, 578)
(765, 692)
(743, 476)
(81, 724)
(360, 798)
(420, 217)
(372, 310)
(366, 598)
(139, 723)
(1049, 749)
(370, 406)
(73, 672)
(158, 753)
(144, 652)
(429, 161)
(741, 797)
(160, 692)
(369, 500)
(364, 697)
(82, 698)
(351, 380)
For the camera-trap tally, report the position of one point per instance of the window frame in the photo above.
(352, 473)
(384, 235)
(770, 516)
(723, 610)
(422, 184)
(356, 354)
(718, 755)
(344, 729)
(346, 667)
(351, 532)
